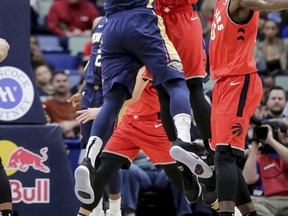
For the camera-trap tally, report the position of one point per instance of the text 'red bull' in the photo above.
(31, 195)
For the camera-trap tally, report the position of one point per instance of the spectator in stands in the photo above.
(37, 57)
(267, 171)
(72, 17)
(276, 102)
(207, 12)
(267, 82)
(59, 110)
(35, 27)
(43, 75)
(273, 49)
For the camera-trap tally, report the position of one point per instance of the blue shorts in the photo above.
(92, 96)
(134, 38)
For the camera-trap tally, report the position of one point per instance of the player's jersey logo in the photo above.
(158, 125)
(176, 65)
(237, 129)
(16, 93)
(235, 83)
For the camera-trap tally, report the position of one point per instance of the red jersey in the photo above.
(148, 103)
(232, 44)
(166, 3)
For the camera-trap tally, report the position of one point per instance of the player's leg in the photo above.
(158, 54)
(114, 190)
(84, 173)
(243, 199)
(5, 193)
(232, 120)
(103, 175)
(181, 30)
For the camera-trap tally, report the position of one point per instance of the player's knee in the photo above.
(226, 170)
(224, 157)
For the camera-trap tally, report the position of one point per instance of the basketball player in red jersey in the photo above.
(139, 129)
(184, 29)
(236, 94)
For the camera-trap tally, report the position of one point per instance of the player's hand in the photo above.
(87, 115)
(4, 48)
(75, 100)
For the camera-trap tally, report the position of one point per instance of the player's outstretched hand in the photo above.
(75, 100)
(87, 115)
(4, 48)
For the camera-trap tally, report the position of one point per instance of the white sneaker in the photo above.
(84, 175)
(94, 214)
(110, 213)
(197, 166)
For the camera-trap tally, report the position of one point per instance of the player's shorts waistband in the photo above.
(174, 9)
(153, 117)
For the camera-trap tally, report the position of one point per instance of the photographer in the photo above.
(267, 169)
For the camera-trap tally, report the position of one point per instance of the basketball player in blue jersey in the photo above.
(5, 190)
(92, 96)
(135, 36)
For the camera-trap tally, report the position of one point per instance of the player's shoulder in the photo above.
(96, 21)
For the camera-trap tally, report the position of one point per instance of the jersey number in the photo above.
(98, 58)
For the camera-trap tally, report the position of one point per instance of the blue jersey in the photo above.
(93, 73)
(114, 6)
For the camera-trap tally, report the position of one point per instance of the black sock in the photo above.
(6, 213)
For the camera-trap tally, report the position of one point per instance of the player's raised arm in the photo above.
(269, 5)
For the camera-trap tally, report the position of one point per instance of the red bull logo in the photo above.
(38, 194)
(21, 159)
(15, 159)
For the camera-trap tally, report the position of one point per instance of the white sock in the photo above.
(115, 205)
(93, 148)
(99, 208)
(182, 123)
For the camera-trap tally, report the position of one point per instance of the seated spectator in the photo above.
(72, 17)
(273, 49)
(144, 176)
(207, 12)
(35, 27)
(59, 110)
(43, 76)
(37, 57)
(276, 102)
(267, 82)
(266, 171)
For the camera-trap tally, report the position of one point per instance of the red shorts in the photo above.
(184, 29)
(135, 133)
(234, 100)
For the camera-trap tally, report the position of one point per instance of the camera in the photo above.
(261, 132)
